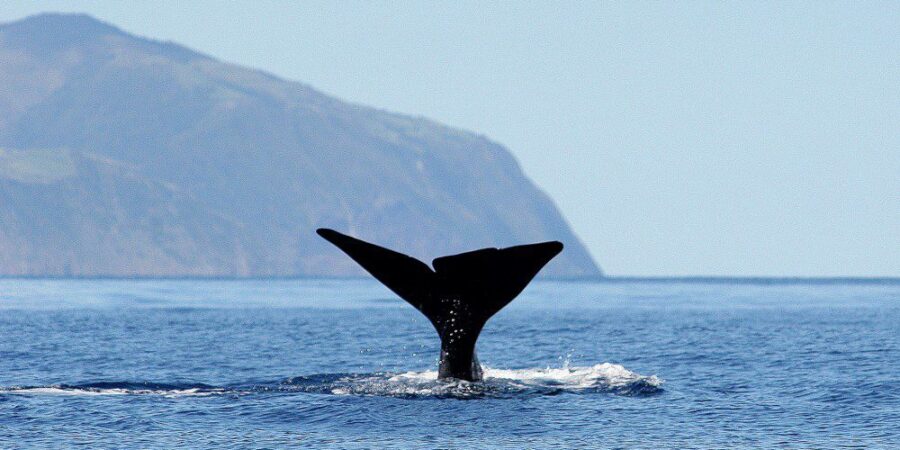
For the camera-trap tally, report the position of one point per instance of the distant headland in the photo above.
(124, 156)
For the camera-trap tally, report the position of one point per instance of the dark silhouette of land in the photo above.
(459, 295)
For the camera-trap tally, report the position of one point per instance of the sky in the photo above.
(677, 138)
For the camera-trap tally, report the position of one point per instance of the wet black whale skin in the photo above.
(459, 295)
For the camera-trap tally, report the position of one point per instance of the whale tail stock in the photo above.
(459, 295)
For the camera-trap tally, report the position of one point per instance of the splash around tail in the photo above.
(605, 378)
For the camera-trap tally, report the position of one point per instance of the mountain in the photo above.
(123, 156)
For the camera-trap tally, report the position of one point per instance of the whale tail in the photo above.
(459, 295)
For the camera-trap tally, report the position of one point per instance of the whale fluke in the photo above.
(459, 295)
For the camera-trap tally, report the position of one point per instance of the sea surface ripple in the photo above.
(343, 364)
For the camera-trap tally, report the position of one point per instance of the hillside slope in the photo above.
(124, 156)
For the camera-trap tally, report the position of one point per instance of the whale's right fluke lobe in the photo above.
(459, 296)
(494, 276)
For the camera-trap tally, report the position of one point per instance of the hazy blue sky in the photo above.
(692, 138)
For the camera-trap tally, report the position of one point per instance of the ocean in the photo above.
(307, 363)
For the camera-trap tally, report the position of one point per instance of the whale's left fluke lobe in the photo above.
(408, 277)
(459, 295)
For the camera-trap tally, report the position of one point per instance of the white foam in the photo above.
(52, 390)
(599, 377)
(607, 374)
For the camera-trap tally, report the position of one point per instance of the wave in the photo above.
(497, 383)
(117, 388)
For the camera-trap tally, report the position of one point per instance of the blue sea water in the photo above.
(344, 364)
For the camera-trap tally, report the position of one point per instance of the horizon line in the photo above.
(699, 279)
